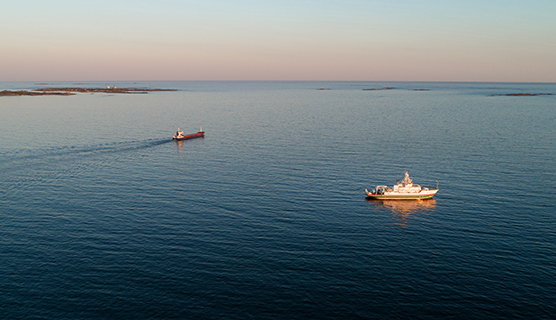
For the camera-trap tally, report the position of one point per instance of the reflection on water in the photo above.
(182, 143)
(401, 209)
(179, 143)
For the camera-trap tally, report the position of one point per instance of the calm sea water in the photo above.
(103, 216)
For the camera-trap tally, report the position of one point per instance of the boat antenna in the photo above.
(436, 184)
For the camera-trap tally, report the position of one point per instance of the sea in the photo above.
(104, 216)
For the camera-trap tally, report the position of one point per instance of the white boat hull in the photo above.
(421, 195)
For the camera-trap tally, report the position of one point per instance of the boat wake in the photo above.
(86, 150)
(50, 167)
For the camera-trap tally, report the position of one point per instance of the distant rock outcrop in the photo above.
(72, 91)
(521, 94)
(8, 93)
(375, 89)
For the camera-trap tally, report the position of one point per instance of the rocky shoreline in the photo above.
(9, 93)
(74, 90)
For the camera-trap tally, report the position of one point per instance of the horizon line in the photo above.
(422, 81)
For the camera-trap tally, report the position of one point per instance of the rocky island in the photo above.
(521, 94)
(75, 90)
(376, 89)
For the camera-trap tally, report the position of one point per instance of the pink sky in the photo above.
(278, 40)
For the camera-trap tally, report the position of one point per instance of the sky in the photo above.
(336, 40)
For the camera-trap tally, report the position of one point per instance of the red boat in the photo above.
(180, 136)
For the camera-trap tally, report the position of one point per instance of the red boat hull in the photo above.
(199, 134)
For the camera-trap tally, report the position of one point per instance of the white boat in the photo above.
(404, 190)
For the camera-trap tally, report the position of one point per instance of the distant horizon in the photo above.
(46, 82)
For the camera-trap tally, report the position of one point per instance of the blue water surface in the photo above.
(103, 216)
